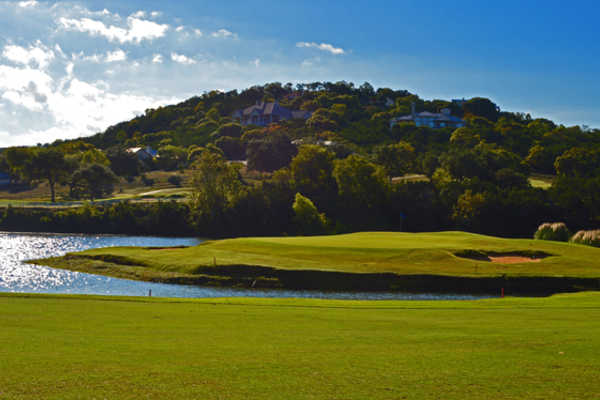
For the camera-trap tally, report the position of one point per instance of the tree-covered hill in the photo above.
(336, 158)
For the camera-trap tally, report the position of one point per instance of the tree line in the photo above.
(342, 169)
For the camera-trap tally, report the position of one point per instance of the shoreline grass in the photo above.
(329, 261)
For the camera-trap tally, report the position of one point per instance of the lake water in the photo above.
(19, 277)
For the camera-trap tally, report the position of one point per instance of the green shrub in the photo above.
(307, 218)
(556, 231)
(175, 180)
(146, 181)
(590, 238)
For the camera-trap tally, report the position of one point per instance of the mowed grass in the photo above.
(541, 181)
(136, 191)
(60, 347)
(366, 252)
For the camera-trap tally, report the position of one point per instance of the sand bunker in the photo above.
(513, 260)
(511, 257)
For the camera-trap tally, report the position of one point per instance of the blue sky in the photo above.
(69, 69)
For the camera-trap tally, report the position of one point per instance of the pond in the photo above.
(18, 277)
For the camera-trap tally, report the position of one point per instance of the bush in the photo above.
(307, 218)
(175, 180)
(146, 181)
(590, 238)
(556, 231)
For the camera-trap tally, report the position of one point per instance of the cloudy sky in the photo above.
(69, 69)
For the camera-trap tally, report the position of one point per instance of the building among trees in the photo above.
(143, 153)
(431, 120)
(263, 114)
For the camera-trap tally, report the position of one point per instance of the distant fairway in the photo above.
(287, 261)
(61, 347)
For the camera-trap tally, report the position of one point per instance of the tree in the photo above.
(397, 159)
(233, 147)
(93, 181)
(49, 164)
(311, 172)
(465, 137)
(578, 161)
(322, 120)
(171, 157)
(307, 218)
(19, 161)
(482, 107)
(215, 184)
(94, 156)
(540, 159)
(271, 153)
(232, 130)
(124, 163)
(468, 210)
(360, 182)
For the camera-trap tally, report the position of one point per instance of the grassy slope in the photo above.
(91, 347)
(39, 195)
(401, 253)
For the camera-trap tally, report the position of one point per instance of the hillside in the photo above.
(367, 158)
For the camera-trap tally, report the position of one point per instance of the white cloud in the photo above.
(179, 28)
(71, 84)
(94, 58)
(25, 87)
(224, 33)
(38, 54)
(18, 79)
(322, 46)
(33, 93)
(139, 14)
(26, 4)
(136, 31)
(182, 59)
(117, 55)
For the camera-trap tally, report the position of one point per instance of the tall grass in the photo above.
(556, 231)
(591, 238)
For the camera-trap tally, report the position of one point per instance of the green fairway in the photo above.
(402, 254)
(60, 347)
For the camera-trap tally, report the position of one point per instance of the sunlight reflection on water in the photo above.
(17, 276)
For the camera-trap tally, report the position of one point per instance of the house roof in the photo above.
(146, 149)
(272, 109)
(267, 109)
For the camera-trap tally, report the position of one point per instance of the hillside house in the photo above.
(263, 114)
(143, 153)
(428, 119)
